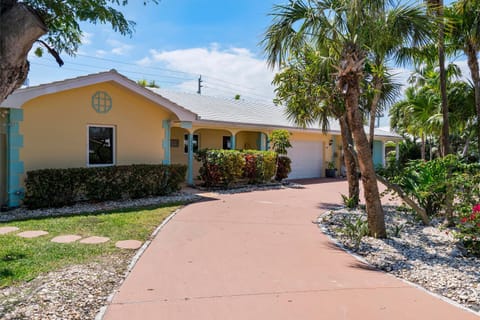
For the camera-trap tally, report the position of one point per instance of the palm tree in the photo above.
(306, 88)
(465, 37)
(348, 29)
(437, 9)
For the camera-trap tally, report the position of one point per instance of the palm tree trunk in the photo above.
(373, 109)
(422, 150)
(349, 77)
(349, 159)
(443, 79)
(472, 60)
(20, 28)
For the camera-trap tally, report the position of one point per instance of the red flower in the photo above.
(473, 216)
(464, 219)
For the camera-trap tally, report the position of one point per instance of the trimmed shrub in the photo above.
(259, 166)
(283, 168)
(226, 167)
(220, 167)
(60, 187)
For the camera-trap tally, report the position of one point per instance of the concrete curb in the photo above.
(361, 259)
(134, 261)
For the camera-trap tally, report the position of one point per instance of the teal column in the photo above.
(234, 143)
(190, 159)
(15, 168)
(263, 141)
(166, 142)
(377, 153)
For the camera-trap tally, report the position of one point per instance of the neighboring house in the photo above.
(107, 119)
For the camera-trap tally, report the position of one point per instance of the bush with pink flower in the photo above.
(469, 230)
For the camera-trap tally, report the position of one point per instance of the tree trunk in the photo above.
(349, 78)
(20, 28)
(349, 159)
(377, 87)
(472, 60)
(422, 149)
(443, 79)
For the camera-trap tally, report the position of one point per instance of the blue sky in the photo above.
(174, 42)
(215, 39)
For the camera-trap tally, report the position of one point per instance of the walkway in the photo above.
(258, 255)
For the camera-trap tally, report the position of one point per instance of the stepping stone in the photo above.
(128, 244)
(5, 230)
(32, 233)
(68, 238)
(94, 240)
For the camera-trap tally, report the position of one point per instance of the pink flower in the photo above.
(476, 208)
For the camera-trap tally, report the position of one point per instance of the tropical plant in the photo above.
(354, 229)
(348, 29)
(280, 141)
(307, 89)
(464, 35)
(53, 24)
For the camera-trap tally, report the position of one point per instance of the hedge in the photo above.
(222, 168)
(61, 187)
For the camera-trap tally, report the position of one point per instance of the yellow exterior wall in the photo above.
(247, 140)
(55, 128)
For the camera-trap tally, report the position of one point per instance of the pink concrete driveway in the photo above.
(259, 256)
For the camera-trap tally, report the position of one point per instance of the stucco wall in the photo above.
(55, 128)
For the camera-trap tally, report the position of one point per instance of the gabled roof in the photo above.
(17, 99)
(187, 106)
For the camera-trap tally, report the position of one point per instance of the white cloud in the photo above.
(119, 48)
(100, 53)
(225, 72)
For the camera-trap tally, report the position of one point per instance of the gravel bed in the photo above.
(23, 213)
(250, 188)
(427, 256)
(74, 292)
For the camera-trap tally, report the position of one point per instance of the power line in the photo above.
(216, 83)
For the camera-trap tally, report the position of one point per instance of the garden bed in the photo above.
(427, 256)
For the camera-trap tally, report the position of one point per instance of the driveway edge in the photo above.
(361, 259)
(136, 257)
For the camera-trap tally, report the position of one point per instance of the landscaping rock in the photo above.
(87, 207)
(425, 255)
(75, 292)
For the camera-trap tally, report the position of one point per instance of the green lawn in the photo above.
(24, 259)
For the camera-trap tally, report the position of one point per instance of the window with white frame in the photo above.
(195, 143)
(101, 145)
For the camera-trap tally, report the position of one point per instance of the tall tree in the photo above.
(465, 37)
(55, 24)
(437, 9)
(348, 28)
(306, 87)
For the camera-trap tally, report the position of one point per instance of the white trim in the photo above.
(114, 145)
(17, 99)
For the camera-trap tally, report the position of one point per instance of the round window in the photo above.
(101, 102)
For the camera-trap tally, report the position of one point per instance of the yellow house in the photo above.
(107, 119)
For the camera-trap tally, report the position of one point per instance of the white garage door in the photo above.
(307, 158)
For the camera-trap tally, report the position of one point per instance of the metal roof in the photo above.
(241, 111)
